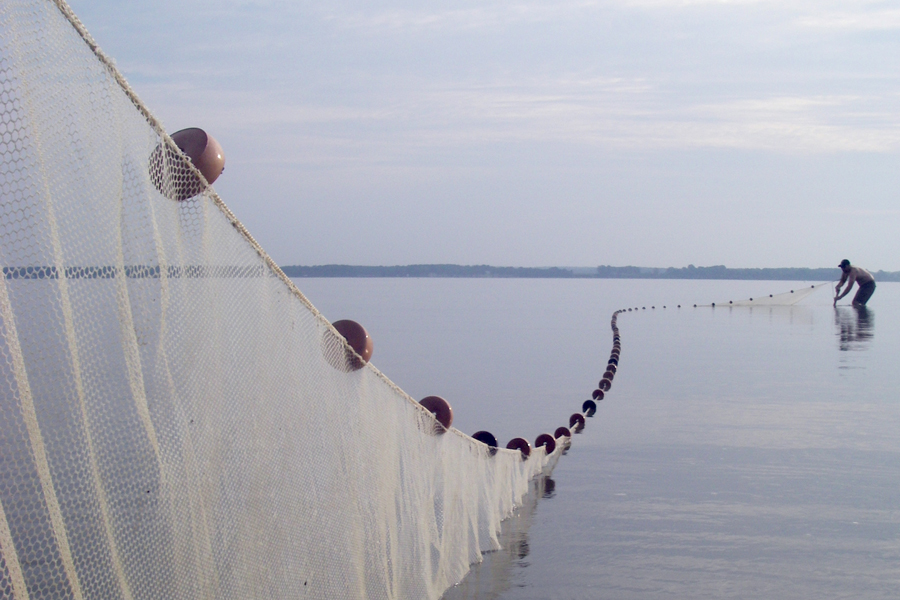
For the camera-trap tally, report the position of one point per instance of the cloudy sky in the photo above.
(750, 133)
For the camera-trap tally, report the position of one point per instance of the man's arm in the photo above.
(841, 282)
(850, 281)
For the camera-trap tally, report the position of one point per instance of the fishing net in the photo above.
(788, 298)
(176, 419)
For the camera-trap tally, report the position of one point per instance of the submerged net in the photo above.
(176, 419)
(788, 298)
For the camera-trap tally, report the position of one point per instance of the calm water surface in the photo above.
(741, 453)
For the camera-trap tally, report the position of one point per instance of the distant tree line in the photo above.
(426, 271)
(601, 272)
(723, 272)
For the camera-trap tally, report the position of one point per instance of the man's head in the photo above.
(845, 265)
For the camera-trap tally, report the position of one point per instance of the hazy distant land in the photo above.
(601, 272)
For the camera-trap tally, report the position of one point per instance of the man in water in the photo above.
(859, 275)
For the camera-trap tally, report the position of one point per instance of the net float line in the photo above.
(589, 407)
(789, 298)
(357, 352)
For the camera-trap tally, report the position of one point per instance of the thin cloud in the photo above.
(601, 112)
(877, 20)
(862, 212)
(460, 18)
(405, 114)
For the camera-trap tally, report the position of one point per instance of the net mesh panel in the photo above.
(788, 298)
(176, 420)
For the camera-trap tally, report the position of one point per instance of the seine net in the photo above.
(788, 298)
(176, 420)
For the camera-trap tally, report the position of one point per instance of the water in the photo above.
(741, 453)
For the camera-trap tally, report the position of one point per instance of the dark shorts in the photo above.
(864, 292)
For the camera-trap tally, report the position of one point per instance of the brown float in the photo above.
(359, 339)
(546, 440)
(486, 437)
(520, 444)
(562, 432)
(576, 421)
(441, 410)
(172, 175)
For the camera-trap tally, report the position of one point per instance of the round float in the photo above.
(173, 176)
(203, 150)
(576, 421)
(562, 431)
(487, 438)
(609, 375)
(605, 384)
(520, 444)
(359, 339)
(546, 440)
(441, 410)
(597, 395)
(335, 342)
(589, 407)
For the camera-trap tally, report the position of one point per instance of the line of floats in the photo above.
(362, 345)
(207, 156)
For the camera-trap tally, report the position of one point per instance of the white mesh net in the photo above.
(171, 425)
(788, 298)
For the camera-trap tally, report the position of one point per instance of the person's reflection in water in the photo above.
(855, 327)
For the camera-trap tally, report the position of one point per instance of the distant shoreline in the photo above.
(601, 272)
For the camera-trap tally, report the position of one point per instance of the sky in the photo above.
(748, 133)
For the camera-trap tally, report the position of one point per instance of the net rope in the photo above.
(177, 420)
(788, 298)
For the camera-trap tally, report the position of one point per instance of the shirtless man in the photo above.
(859, 275)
